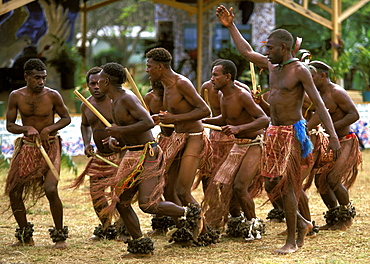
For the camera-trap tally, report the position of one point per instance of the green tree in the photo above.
(355, 34)
(115, 23)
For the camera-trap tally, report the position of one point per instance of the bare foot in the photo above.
(28, 243)
(283, 233)
(286, 249)
(342, 225)
(131, 255)
(60, 245)
(302, 232)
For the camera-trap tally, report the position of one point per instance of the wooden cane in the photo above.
(206, 97)
(137, 93)
(105, 160)
(135, 89)
(93, 109)
(253, 77)
(47, 159)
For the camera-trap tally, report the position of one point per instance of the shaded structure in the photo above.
(199, 7)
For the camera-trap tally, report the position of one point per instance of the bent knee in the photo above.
(51, 191)
(149, 209)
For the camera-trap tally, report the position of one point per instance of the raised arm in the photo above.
(226, 17)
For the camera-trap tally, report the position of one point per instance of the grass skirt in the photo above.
(219, 193)
(28, 167)
(133, 169)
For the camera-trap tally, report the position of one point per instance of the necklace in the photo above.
(286, 62)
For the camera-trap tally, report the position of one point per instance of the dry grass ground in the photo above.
(350, 246)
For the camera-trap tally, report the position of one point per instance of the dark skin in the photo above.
(133, 125)
(154, 101)
(303, 206)
(287, 89)
(91, 126)
(185, 109)
(343, 113)
(37, 106)
(243, 119)
(211, 96)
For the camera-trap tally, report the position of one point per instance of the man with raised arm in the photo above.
(286, 139)
(30, 175)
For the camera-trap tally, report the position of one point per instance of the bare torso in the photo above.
(97, 126)
(155, 104)
(335, 111)
(286, 95)
(175, 103)
(124, 105)
(233, 108)
(36, 109)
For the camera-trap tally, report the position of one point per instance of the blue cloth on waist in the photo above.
(303, 138)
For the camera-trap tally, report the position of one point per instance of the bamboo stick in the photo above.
(92, 108)
(105, 160)
(253, 77)
(137, 93)
(206, 97)
(135, 89)
(47, 159)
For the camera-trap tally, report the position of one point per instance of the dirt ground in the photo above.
(350, 246)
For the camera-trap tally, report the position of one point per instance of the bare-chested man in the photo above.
(141, 171)
(244, 119)
(185, 109)
(29, 174)
(334, 178)
(286, 138)
(220, 142)
(154, 102)
(97, 169)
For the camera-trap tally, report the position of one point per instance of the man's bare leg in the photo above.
(343, 198)
(19, 212)
(304, 226)
(170, 188)
(189, 165)
(56, 206)
(162, 207)
(243, 179)
(132, 224)
(337, 193)
(290, 210)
